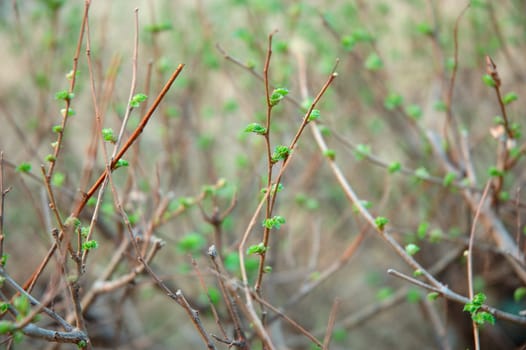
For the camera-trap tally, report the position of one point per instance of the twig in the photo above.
(138, 130)
(310, 285)
(74, 336)
(178, 295)
(469, 264)
(63, 323)
(206, 291)
(440, 329)
(292, 146)
(270, 163)
(3, 194)
(230, 302)
(450, 295)
(216, 220)
(60, 135)
(288, 319)
(181, 300)
(258, 326)
(133, 84)
(330, 325)
(491, 69)
(101, 178)
(450, 122)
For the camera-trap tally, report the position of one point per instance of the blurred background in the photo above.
(394, 63)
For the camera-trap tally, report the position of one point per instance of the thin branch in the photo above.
(207, 292)
(450, 120)
(469, 264)
(288, 319)
(83, 201)
(138, 130)
(60, 135)
(450, 295)
(330, 325)
(63, 323)
(3, 194)
(230, 302)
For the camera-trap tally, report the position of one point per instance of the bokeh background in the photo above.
(395, 59)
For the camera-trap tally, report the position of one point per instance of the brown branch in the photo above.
(330, 325)
(95, 186)
(230, 302)
(450, 120)
(129, 142)
(469, 264)
(3, 194)
(60, 135)
(288, 319)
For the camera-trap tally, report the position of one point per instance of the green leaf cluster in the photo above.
(277, 95)
(280, 153)
(274, 222)
(473, 307)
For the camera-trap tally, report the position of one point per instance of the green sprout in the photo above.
(256, 129)
(137, 99)
(330, 153)
(191, 242)
(69, 113)
(4, 307)
(280, 153)
(121, 163)
(411, 249)
(108, 135)
(473, 307)
(58, 179)
(417, 273)
(72, 222)
(6, 326)
(384, 293)
(274, 222)
(22, 305)
(414, 111)
(495, 172)
(424, 28)
(84, 231)
(422, 173)
(314, 115)
(64, 95)
(50, 158)
(373, 62)
(394, 167)
(432, 296)
(91, 244)
(393, 101)
(23, 168)
(57, 128)
(380, 222)
(257, 249)
(509, 98)
(448, 179)
(362, 151)
(519, 294)
(279, 188)
(488, 80)
(158, 27)
(422, 229)
(277, 95)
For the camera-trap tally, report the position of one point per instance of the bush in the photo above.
(351, 179)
